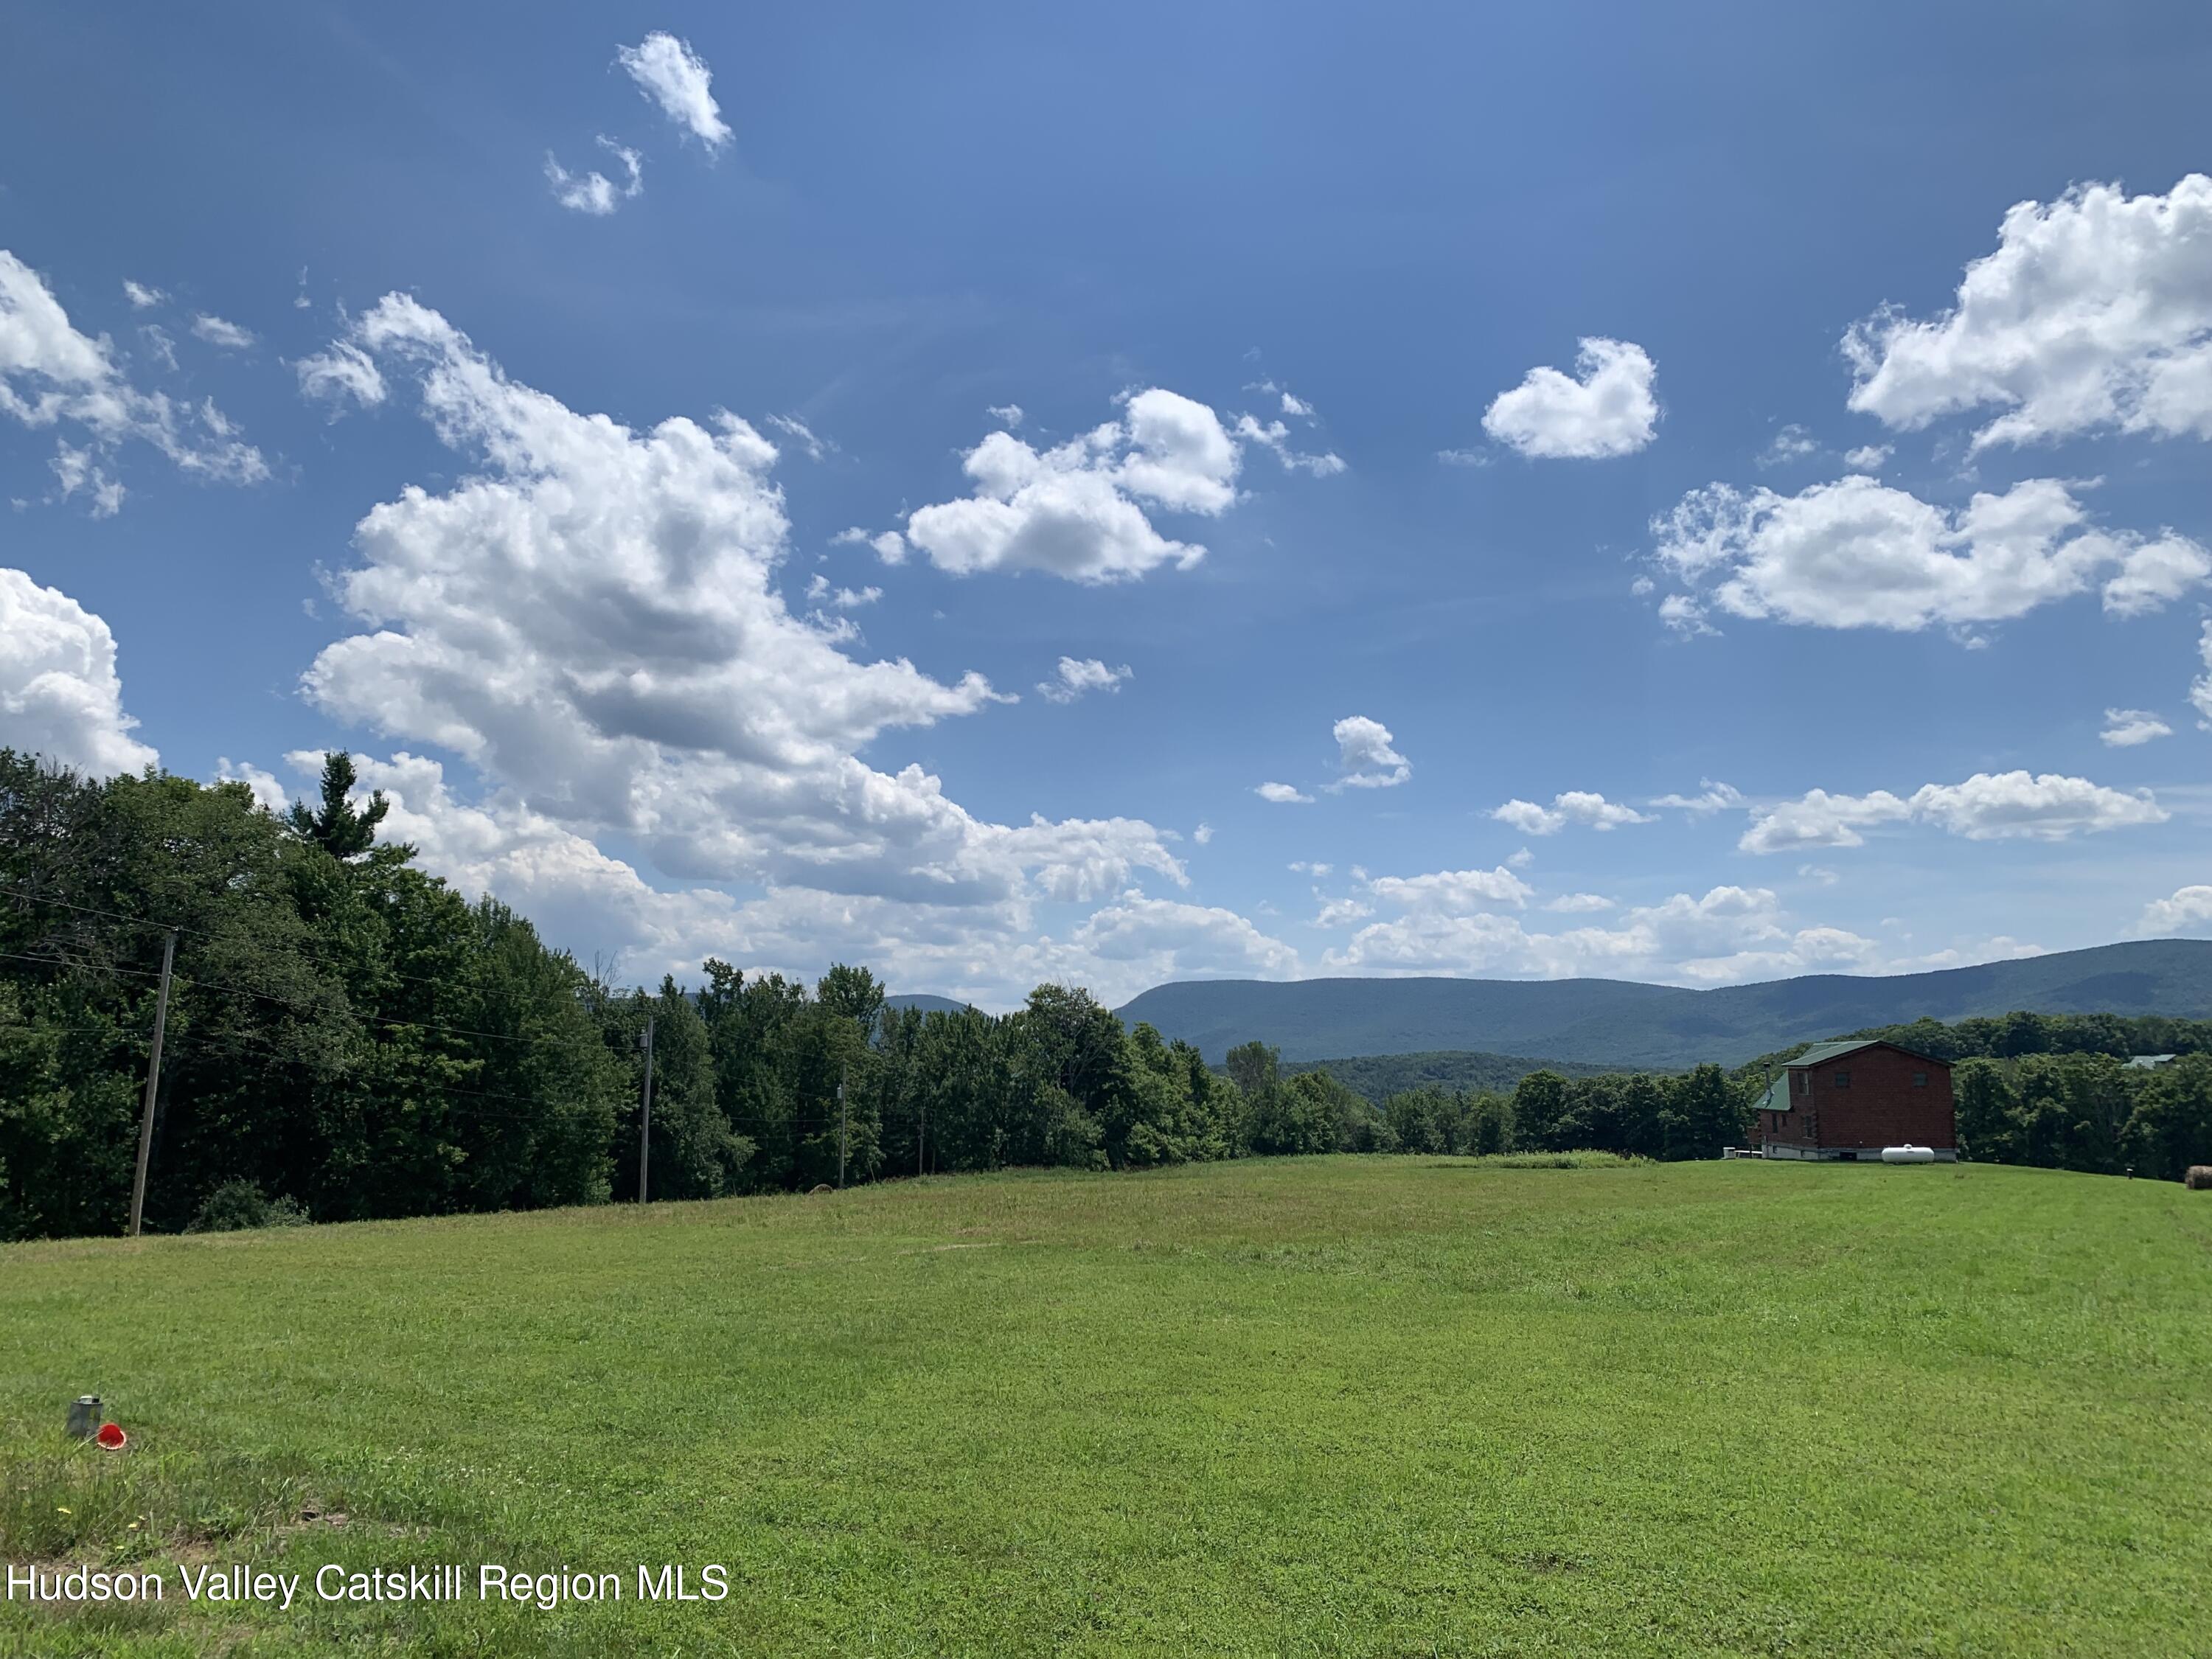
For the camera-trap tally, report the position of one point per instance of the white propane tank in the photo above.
(1908, 1154)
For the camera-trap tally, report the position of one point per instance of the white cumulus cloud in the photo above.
(1792, 443)
(1728, 935)
(819, 592)
(2189, 910)
(1079, 510)
(52, 375)
(1987, 807)
(1365, 755)
(890, 546)
(1274, 436)
(2095, 311)
(79, 471)
(1856, 553)
(1136, 942)
(342, 371)
(803, 435)
(1454, 892)
(1282, 794)
(2126, 728)
(1578, 903)
(1077, 676)
(669, 73)
(218, 332)
(1573, 807)
(593, 192)
(590, 616)
(1711, 797)
(59, 693)
(1607, 409)
(2200, 689)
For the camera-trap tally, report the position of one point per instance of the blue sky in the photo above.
(1572, 411)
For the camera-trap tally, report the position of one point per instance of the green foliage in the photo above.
(240, 1206)
(1254, 1066)
(1454, 1070)
(1690, 1116)
(2087, 1112)
(344, 1030)
(339, 828)
(1539, 1110)
(1312, 1112)
(1704, 1112)
(1431, 1120)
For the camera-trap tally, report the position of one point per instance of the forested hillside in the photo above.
(2014, 1035)
(1617, 1022)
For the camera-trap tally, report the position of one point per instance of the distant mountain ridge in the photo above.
(926, 1001)
(1605, 1022)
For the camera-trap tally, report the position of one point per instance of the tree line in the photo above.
(349, 1038)
(2014, 1036)
(2092, 1112)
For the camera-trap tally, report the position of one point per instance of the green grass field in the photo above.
(1327, 1406)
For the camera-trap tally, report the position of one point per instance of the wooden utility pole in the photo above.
(920, 1131)
(840, 1133)
(645, 1120)
(152, 1086)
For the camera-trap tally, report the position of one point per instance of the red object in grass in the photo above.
(111, 1435)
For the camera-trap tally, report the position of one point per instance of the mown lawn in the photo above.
(1332, 1406)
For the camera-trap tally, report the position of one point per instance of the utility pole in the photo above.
(644, 1122)
(841, 1134)
(152, 1086)
(920, 1132)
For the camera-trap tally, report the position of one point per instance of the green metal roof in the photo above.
(1821, 1051)
(1827, 1051)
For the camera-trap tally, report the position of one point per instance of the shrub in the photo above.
(240, 1206)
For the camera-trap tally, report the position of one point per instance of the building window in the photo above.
(1843, 1079)
(1803, 1081)
(1920, 1079)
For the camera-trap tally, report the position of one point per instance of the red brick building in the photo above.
(1848, 1100)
